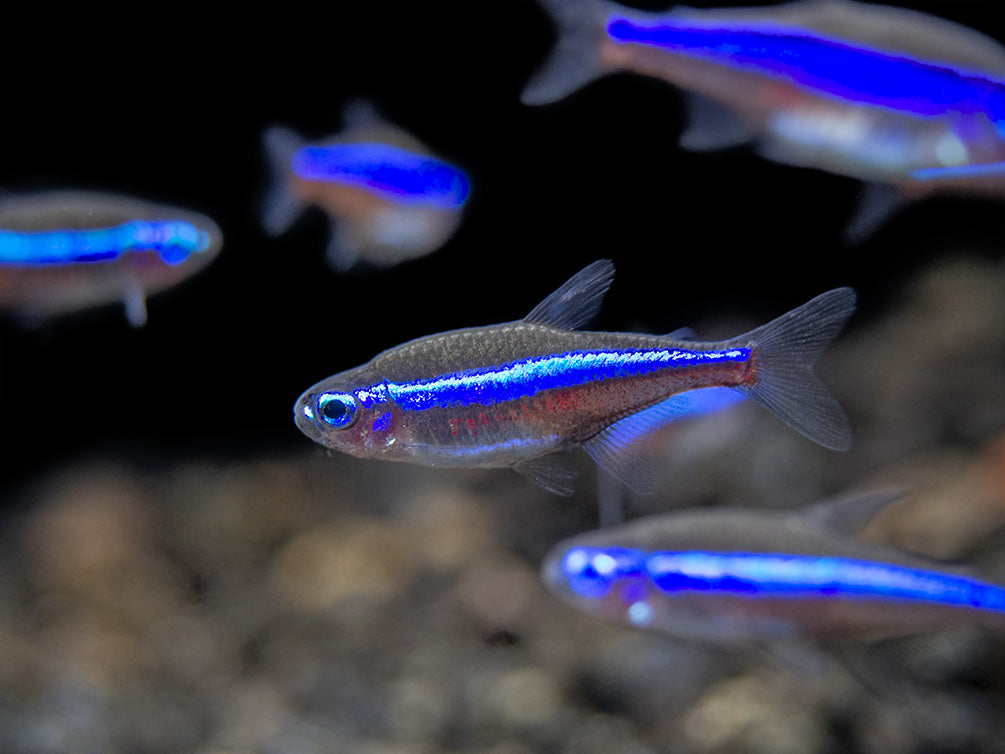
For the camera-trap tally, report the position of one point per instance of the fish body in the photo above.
(873, 92)
(510, 394)
(739, 574)
(63, 251)
(390, 198)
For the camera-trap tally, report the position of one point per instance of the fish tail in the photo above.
(784, 382)
(281, 206)
(575, 61)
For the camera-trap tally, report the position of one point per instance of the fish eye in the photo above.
(338, 409)
(591, 571)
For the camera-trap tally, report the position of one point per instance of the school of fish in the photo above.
(889, 96)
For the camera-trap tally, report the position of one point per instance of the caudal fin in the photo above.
(575, 61)
(281, 206)
(787, 347)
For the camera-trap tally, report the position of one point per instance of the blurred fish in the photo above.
(63, 251)
(722, 574)
(883, 94)
(690, 405)
(389, 197)
(510, 394)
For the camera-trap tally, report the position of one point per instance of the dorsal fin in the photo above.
(850, 514)
(682, 333)
(577, 301)
(361, 113)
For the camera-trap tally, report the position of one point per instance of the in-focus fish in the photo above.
(874, 92)
(389, 197)
(63, 251)
(721, 574)
(510, 394)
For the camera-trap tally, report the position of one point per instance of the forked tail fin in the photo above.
(786, 349)
(575, 61)
(281, 206)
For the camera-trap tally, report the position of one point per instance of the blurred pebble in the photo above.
(372, 559)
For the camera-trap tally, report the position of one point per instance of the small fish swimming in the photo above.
(682, 407)
(886, 95)
(513, 393)
(389, 197)
(728, 575)
(63, 251)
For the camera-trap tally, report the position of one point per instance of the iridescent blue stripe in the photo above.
(989, 170)
(528, 377)
(779, 575)
(396, 173)
(174, 240)
(829, 66)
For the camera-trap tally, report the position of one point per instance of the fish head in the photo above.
(609, 582)
(351, 413)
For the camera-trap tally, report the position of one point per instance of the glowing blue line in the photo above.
(592, 571)
(770, 575)
(856, 74)
(991, 169)
(400, 175)
(527, 377)
(174, 240)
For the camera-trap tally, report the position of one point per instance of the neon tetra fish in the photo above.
(389, 197)
(510, 394)
(869, 91)
(64, 251)
(723, 574)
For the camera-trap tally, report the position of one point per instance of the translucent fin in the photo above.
(610, 499)
(622, 449)
(281, 206)
(550, 474)
(850, 514)
(342, 252)
(135, 302)
(712, 126)
(877, 203)
(577, 301)
(681, 333)
(360, 114)
(785, 384)
(575, 61)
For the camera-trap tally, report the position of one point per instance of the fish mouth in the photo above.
(303, 417)
(551, 571)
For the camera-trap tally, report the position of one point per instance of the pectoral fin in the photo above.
(711, 126)
(135, 302)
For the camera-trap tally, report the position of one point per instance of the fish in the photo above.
(512, 394)
(66, 251)
(682, 407)
(886, 95)
(390, 199)
(736, 575)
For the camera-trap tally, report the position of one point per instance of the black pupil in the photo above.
(334, 410)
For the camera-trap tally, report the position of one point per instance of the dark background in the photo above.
(171, 107)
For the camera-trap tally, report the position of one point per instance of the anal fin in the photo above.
(549, 473)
